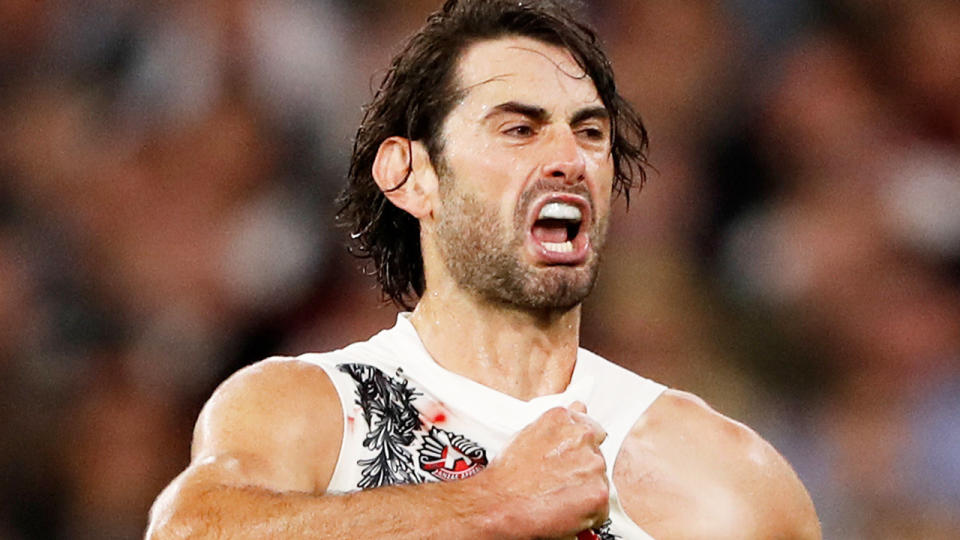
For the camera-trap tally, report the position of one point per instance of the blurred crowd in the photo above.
(167, 175)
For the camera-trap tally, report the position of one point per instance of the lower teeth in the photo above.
(559, 247)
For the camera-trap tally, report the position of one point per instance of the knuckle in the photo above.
(599, 463)
(582, 436)
(556, 414)
(587, 436)
(598, 496)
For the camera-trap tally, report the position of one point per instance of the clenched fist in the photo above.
(552, 477)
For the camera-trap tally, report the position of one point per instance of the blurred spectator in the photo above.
(850, 256)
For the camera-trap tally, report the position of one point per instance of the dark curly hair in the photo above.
(418, 92)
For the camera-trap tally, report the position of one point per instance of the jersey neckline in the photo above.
(460, 391)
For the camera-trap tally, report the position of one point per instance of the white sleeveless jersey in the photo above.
(407, 420)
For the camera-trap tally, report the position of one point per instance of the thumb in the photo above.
(578, 406)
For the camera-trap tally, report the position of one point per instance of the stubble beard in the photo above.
(484, 254)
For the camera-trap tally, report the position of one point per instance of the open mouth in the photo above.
(559, 229)
(557, 225)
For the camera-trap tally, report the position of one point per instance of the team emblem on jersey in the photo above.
(451, 457)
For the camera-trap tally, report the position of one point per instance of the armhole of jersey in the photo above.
(617, 433)
(344, 385)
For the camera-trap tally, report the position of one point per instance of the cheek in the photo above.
(602, 172)
(493, 176)
(603, 214)
(483, 183)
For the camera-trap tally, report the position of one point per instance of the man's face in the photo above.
(525, 176)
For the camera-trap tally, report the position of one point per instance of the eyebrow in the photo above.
(599, 112)
(539, 114)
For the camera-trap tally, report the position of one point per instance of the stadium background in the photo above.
(167, 171)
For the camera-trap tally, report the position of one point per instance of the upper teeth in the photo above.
(560, 210)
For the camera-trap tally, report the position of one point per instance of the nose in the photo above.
(564, 157)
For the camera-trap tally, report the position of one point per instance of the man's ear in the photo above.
(404, 173)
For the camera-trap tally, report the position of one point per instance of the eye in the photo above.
(593, 133)
(521, 131)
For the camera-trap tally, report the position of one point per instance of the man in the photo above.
(481, 182)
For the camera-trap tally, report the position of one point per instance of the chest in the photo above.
(400, 432)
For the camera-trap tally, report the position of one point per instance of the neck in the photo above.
(520, 353)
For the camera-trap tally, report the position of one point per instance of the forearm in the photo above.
(448, 510)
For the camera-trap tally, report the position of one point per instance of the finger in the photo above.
(599, 434)
(579, 414)
(596, 430)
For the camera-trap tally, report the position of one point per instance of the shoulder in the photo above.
(280, 419)
(684, 459)
(271, 387)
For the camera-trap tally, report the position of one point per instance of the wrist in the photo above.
(498, 515)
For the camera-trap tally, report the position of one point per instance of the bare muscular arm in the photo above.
(266, 444)
(210, 501)
(264, 449)
(686, 471)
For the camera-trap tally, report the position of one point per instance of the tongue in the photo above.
(550, 230)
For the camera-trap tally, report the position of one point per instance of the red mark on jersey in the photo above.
(434, 413)
(587, 535)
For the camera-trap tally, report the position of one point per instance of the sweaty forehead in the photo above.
(525, 68)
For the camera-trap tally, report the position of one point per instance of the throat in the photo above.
(503, 350)
(530, 380)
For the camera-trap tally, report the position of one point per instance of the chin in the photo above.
(554, 288)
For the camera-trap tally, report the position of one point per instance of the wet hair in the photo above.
(420, 89)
